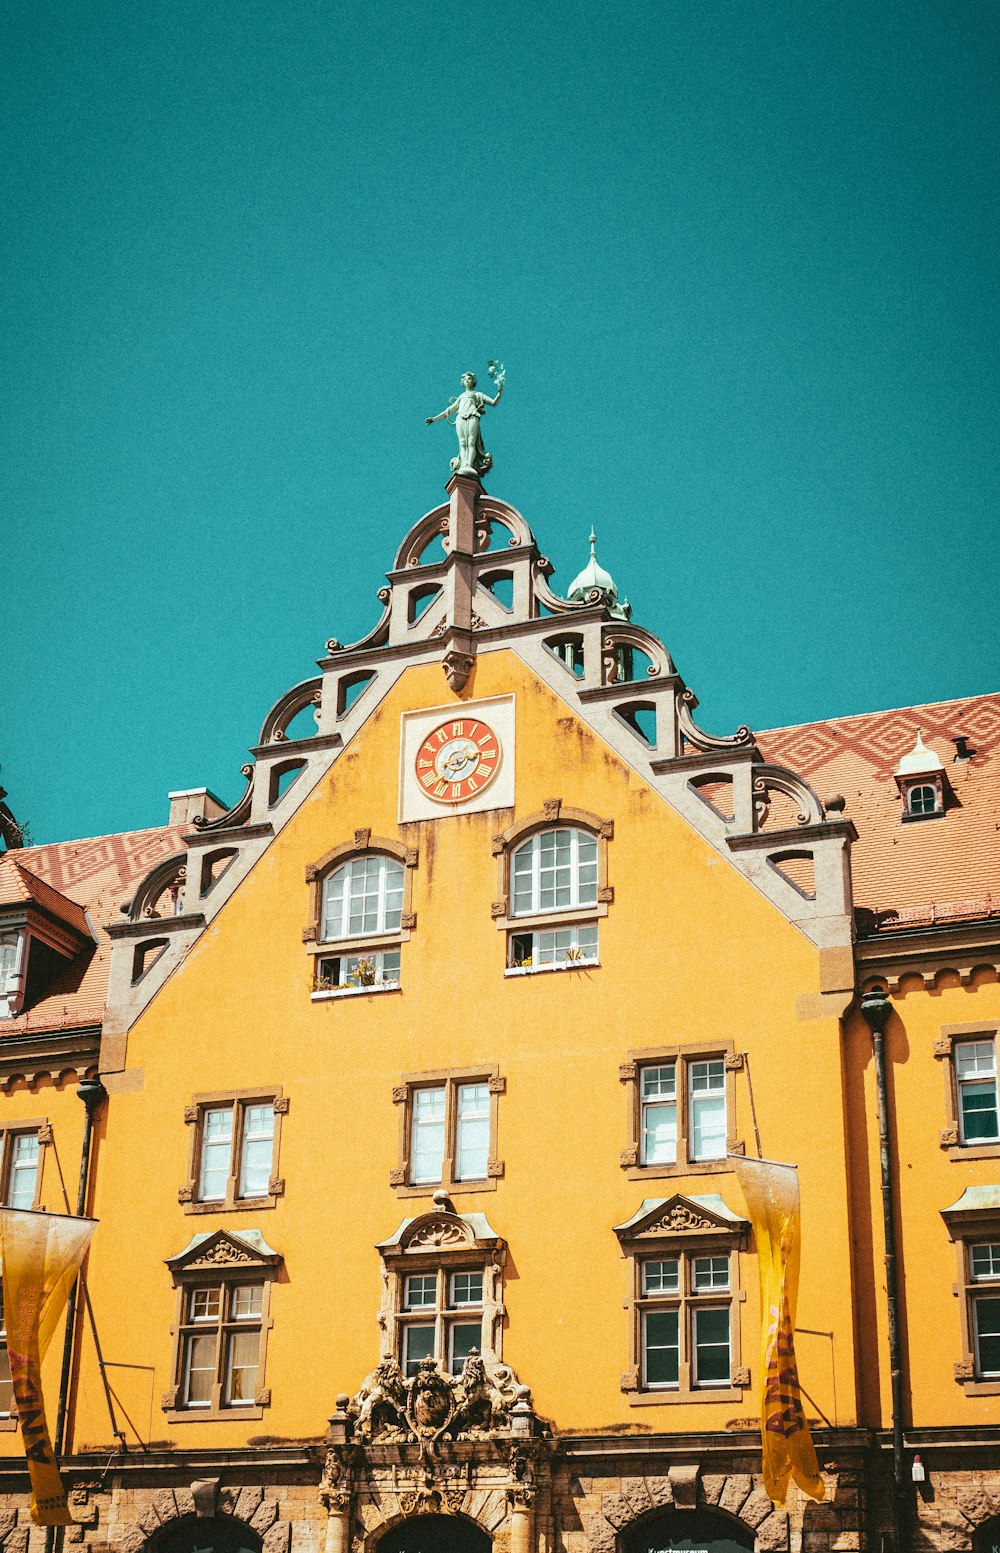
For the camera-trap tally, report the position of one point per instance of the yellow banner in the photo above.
(41, 1255)
(772, 1194)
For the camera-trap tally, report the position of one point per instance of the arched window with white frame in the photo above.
(362, 898)
(554, 870)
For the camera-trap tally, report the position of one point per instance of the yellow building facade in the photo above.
(426, 1065)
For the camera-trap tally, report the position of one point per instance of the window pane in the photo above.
(986, 1261)
(418, 1343)
(986, 1313)
(242, 1354)
(421, 1289)
(23, 1170)
(707, 1082)
(659, 1083)
(199, 1369)
(661, 1277)
(255, 1161)
(975, 1059)
(466, 1288)
(711, 1346)
(979, 1110)
(246, 1301)
(204, 1304)
(710, 1272)
(661, 1347)
(427, 1134)
(216, 1150)
(463, 1337)
(659, 1134)
(472, 1144)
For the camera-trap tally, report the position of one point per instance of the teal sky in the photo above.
(740, 260)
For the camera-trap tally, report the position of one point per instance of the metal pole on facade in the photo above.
(876, 1008)
(92, 1092)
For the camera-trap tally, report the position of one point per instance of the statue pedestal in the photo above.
(464, 490)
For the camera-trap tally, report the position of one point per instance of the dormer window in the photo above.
(920, 779)
(41, 933)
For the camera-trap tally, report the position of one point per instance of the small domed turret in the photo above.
(594, 580)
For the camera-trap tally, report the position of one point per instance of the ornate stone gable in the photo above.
(221, 1249)
(680, 1216)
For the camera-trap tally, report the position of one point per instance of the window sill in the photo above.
(330, 946)
(453, 1188)
(701, 1167)
(541, 970)
(327, 993)
(535, 922)
(209, 1415)
(989, 1150)
(243, 1205)
(668, 1398)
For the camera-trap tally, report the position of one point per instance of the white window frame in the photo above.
(344, 975)
(532, 848)
(976, 1077)
(442, 1317)
(387, 919)
(687, 1299)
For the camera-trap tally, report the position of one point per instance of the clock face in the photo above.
(458, 760)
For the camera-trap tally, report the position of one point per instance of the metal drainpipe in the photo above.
(92, 1092)
(876, 1008)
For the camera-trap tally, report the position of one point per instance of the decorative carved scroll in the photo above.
(309, 693)
(238, 814)
(766, 778)
(433, 1404)
(742, 739)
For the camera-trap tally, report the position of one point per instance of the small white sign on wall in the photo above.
(457, 759)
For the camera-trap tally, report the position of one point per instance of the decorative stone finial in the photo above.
(467, 407)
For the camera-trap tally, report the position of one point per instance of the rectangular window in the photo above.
(233, 1151)
(220, 1345)
(448, 1131)
(370, 970)
(551, 948)
(427, 1134)
(707, 1099)
(466, 1289)
(418, 1344)
(421, 1290)
(22, 1169)
(985, 1261)
(986, 1333)
(658, 1114)
(685, 1313)
(976, 1082)
(463, 1336)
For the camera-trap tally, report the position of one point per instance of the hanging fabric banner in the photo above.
(772, 1194)
(41, 1254)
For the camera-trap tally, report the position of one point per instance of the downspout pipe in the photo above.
(876, 1009)
(93, 1094)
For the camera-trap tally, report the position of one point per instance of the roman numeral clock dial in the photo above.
(458, 760)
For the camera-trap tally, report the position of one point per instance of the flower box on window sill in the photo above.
(321, 994)
(539, 970)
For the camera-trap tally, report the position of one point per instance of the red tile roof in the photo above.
(934, 869)
(96, 874)
(18, 887)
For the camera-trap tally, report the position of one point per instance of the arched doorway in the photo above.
(435, 1534)
(688, 1531)
(206, 1534)
(986, 1537)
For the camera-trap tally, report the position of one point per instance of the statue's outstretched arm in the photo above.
(445, 412)
(496, 400)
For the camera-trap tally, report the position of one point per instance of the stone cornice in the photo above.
(792, 835)
(319, 741)
(924, 951)
(231, 833)
(49, 1051)
(151, 927)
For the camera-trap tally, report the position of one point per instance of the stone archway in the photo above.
(205, 1534)
(688, 1531)
(435, 1534)
(986, 1536)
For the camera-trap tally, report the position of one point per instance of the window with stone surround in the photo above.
(448, 1123)
(233, 1151)
(223, 1284)
(681, 1109)
(968, 1054)
(360, 915)
(22, 1156)
(552, 888)
(974, 1226)
(442, 1291)
(684, 1301)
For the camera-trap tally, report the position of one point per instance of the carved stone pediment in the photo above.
(441, 1231)
(681, 1216)
(223, 1249)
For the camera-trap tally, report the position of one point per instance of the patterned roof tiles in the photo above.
(947, 866)
(98, 874)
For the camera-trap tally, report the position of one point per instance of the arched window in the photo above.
(363, 898)
(554, 870)
(923, 799)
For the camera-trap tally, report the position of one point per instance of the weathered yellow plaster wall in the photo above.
(689, 951)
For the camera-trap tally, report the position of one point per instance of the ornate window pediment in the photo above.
(248, 1252)
(439, 1231)
(681, 1216)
